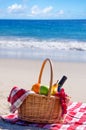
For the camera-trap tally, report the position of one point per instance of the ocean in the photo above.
(60, 40)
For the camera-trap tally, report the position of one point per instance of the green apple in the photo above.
(44, 90)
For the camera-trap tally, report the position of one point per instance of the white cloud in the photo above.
(15, 8)
(47, 9)
(35, 10)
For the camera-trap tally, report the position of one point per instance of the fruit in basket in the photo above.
(36, 87)
(44, 90)
(54, 88)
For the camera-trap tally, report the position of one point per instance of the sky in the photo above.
(42, 9)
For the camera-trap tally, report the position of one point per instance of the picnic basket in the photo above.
(38, 108)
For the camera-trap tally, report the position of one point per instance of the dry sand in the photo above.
(24, 73)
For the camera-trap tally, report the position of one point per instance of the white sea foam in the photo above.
(42, 44)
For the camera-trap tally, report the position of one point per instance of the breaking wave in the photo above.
(51, 44)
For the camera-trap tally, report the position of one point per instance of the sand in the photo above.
(24, 73)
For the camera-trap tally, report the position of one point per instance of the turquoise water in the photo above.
(61, 40)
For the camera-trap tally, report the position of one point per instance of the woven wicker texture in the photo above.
(40, 108)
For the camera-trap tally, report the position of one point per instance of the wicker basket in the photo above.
(40, 108)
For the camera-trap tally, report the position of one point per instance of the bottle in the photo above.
(61, 82)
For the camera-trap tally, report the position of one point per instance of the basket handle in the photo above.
(51, 74)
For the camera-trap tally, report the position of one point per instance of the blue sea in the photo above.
(60, 40)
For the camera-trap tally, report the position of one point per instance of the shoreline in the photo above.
(24, 73)
(40, 54)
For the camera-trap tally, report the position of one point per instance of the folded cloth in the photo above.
(16, 97)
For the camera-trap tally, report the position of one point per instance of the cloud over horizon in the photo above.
(42, 9)
(35, 10)
(15, 8)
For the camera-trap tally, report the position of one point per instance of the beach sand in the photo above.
(24, 73)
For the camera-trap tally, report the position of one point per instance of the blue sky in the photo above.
(42, 9)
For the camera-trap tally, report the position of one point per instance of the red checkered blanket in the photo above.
(75, 119)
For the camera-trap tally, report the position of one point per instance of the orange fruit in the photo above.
(36, 87)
